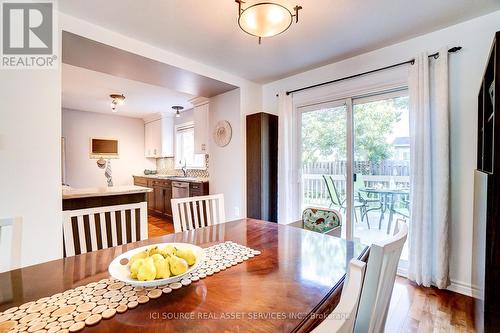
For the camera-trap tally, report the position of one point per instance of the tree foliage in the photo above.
(324, 131)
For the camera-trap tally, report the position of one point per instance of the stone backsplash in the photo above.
(166, 166)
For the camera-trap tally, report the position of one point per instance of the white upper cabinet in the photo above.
(201, 128)
(159, 137)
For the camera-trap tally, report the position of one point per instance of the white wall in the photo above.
(30, 173)
(226, 163)
(250, 93)
(466, 70)
(30, 137)
(81, 171)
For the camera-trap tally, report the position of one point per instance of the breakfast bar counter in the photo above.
(80, 198)
(74, 193)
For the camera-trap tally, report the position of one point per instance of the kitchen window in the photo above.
(184, 148)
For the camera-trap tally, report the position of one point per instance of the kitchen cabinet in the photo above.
(201, 128)
(159, 199)
(159, 137)
(167, 205)
(262, 166)
(198, 189)
(162, 190)
(151, 200)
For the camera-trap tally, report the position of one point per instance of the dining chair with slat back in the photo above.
(198, 212)
(10, 243)
(93, 229)
(379, 281)
(341, 320)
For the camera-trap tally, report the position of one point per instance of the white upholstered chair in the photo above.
(10, 243)
(198, 212)
(379, 281)
(341, 320)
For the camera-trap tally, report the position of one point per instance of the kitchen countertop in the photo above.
(175, 178)
(74, 193)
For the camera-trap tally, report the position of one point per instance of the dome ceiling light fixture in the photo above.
(116, 99)
(177, 109)
(266, 18)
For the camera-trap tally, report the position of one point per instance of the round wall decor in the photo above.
(223, 133)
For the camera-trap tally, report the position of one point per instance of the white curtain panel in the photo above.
(430, 171)
(286, 183)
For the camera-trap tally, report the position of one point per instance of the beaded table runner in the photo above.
(87, 305)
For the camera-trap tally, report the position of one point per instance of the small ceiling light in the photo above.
(266, 18)
(177, 109)
(116, 99)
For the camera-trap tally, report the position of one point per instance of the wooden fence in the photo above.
(383, 168)
(314, 191)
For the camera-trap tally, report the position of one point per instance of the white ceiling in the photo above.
(329, 30)
(86, 90)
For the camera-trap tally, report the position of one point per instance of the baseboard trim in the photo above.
(455, 286)
(463, 288)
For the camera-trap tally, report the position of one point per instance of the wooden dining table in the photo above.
(295, 281)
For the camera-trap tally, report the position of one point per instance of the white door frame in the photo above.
(347, 102)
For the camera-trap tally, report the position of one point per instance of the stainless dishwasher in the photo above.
(180, 190)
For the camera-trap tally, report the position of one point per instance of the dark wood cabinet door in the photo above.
(150, 197)
(262, 167)
(159, 202)
(151, 200)
(198, 189)
(167, 203)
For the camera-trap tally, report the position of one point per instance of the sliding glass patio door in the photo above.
(324, 150)
(381, 166)
(355, 158)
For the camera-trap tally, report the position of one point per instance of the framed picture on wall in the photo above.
(104, 148)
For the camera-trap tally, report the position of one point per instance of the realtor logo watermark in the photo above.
(28, 35)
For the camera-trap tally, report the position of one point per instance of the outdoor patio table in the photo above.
(387, 198)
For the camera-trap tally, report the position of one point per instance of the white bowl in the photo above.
(122, 272)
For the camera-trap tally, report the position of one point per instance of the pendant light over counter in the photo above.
(177, 109)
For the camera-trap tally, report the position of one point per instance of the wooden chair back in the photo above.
(379, 281)
(198, 212)
(341, 320)
(93, 229)
(10, 243)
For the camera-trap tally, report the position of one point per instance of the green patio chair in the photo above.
(340, 203)
(370, 203)
(322, 220)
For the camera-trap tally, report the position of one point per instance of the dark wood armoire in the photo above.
(262, 166)
(486, 222)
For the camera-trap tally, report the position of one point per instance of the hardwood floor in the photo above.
(412, 309)
(158, 226)
(418, 309)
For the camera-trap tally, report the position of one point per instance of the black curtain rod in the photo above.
(412, 61)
